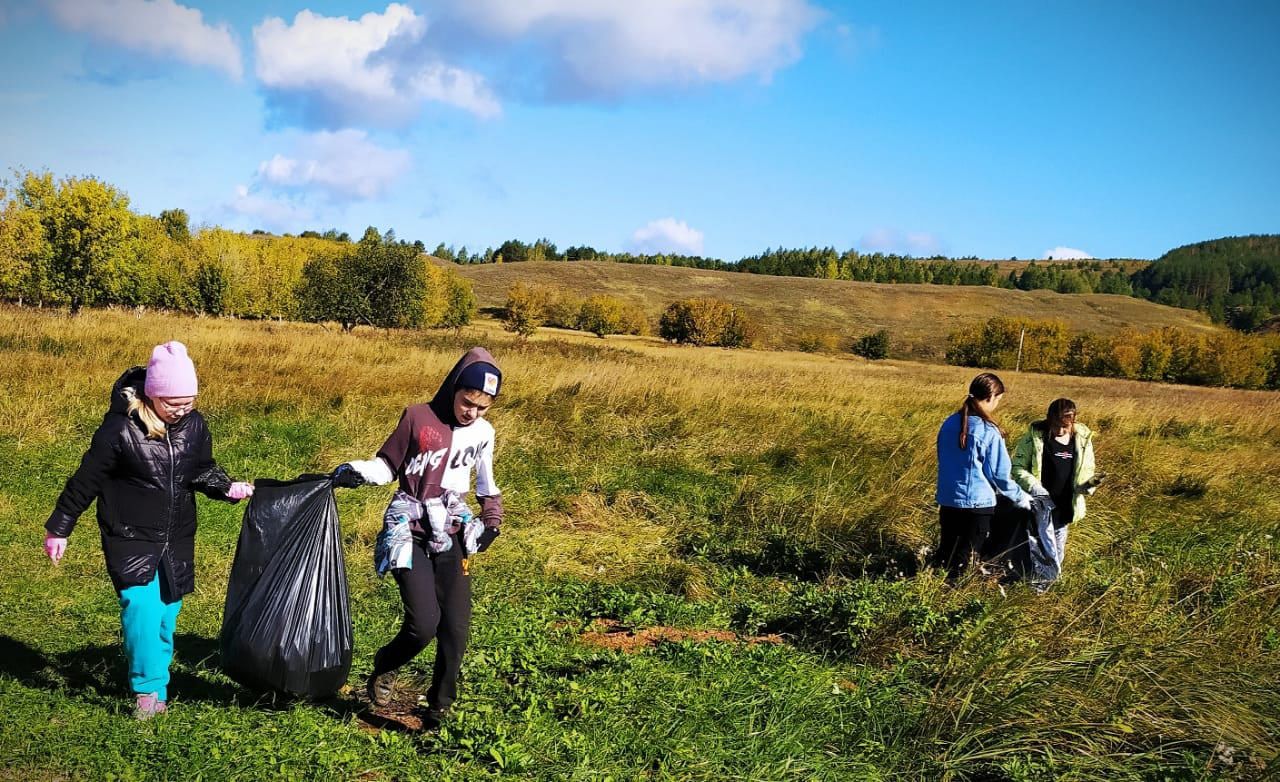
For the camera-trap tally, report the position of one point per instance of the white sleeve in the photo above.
(374, 471)
(485, 485)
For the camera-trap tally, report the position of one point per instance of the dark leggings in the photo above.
(437, 604)
(963, 532)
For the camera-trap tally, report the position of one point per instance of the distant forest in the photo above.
(1235, 280)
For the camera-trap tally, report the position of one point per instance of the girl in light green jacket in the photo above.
(1055, 459)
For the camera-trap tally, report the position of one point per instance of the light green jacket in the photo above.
(1028, 455)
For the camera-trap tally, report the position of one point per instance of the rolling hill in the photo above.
(918, 317)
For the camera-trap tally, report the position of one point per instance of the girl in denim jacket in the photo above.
(973, 466)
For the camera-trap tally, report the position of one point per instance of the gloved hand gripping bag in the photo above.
(286, 626)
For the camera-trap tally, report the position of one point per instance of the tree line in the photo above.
(516, 251)
(76, 242)
(1234, 280)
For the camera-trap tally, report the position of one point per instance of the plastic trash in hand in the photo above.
(437, 525)
(471, 533)
(394, 547)
(347, 477)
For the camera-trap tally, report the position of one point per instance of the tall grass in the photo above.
(649, 484)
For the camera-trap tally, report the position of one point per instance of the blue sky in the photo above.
(718, 127)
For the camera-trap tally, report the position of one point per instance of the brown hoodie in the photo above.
(429, 452)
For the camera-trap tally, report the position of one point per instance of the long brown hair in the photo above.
(983, 387)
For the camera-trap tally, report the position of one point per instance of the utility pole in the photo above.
(1022, 336)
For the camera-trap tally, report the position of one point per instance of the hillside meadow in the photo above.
(918, 317)
(713, 567)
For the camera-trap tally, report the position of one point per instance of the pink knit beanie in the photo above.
(170, 372)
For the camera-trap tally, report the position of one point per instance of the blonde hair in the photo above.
(138, 406)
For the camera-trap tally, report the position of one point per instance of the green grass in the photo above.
(694, 488)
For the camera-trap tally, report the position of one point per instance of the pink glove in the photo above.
(239, 490)
(55, 547)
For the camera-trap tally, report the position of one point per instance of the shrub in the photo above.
(817, 341)
(739, 332)
(560, 308)
(705, 322)
(530, 306)
(524, 311)
(461, 302)
(874, 346)
(601, 315)
(634, 319)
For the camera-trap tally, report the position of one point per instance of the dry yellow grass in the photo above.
(918, 317)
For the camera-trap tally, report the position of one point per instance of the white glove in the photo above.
(1023, 501)
(1037, 489)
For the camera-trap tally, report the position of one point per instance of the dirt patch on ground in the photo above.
(403, 714)
(609, 634)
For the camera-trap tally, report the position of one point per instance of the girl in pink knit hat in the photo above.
(151, 452)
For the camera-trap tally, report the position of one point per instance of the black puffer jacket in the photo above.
(146, 508)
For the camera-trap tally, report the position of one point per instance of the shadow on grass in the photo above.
(101, 670)
(778, 553)
(196, 677)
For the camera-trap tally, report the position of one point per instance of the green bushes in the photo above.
(1170, 354)
(75, 242)
(873, 346)
(706, 322)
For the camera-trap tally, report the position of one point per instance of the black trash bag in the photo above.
(1022, 541)
(286, 626)
(1006, 546)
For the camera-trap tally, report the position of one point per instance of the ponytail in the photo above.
(984, 386)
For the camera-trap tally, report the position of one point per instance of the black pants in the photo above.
(437, 604)
(963, 532)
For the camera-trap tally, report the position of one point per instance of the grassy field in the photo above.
(746, 529)
(918, 317)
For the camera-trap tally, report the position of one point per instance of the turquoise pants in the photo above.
(148, 623)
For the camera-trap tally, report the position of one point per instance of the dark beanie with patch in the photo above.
(480, 376)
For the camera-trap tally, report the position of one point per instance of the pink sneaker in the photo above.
(148, 706)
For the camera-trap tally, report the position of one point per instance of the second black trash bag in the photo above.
(286, 626)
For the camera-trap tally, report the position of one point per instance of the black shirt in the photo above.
(1056, 471)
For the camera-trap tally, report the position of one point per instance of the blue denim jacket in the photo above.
(970, 477)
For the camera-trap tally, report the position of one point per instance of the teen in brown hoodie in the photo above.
(430, 453)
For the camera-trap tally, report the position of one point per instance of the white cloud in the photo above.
(920, 244)
(335, 71)
(343, 164)
(605, 49)
(667, 235)
(1066, 254)
(159, 28)
(267, 211)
